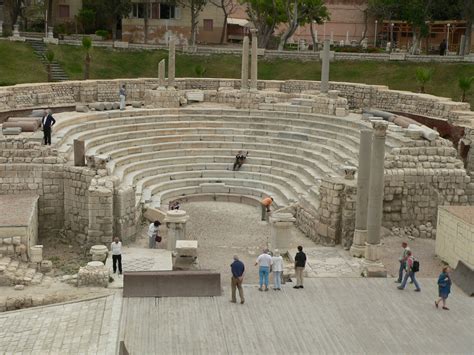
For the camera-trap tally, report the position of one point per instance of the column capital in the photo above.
(253, 30)
(380, 128)
(349, 172)
(176, 216)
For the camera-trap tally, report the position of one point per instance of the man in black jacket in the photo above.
(300, 263)
(47, 122)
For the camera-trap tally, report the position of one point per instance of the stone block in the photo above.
(136, 104)
(375, 271)
(11, 131)
(82, 108)
(46, 266)
(186, 248)
(195, 96)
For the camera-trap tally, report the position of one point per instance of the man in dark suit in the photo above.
(47, 122)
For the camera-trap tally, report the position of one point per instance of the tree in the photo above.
(49, 55)
(104, 14)
(87, 45)
(423, 76)
(465, 84)
(196, 6)
(468, 15)
(265, 15)
(228, 8)
(300, 12)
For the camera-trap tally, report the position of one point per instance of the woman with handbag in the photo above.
(444, 287)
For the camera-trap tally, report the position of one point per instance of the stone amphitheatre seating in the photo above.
(172, 153)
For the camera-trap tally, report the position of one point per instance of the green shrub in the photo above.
(102, 33)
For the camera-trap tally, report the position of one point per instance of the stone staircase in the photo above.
(15, 272)
(168, 154)
(40, 49)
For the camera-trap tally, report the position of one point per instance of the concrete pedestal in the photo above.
(176, 223)
(281, 230)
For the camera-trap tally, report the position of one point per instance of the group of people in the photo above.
(410, 266)
(267, 263)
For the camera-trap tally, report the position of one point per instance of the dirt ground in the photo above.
(67, 255)
(422, 249)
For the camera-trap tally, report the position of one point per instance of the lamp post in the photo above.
(447, 39)
(375, 34)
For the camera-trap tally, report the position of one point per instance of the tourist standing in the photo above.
(300, 263)
(402, 259)
(238, 269)
(122, 94)
(410, 272)
(153, 234)
(277, 269)
(116, 248)
(47, 123)
(266, 203)
(444, 287)
(264, 262)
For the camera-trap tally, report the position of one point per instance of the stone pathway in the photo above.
(330, 262)
(85, 327)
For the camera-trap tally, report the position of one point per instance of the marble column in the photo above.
(176, 223)
(171, 63)
(1, 27)
(376, 189)
(161, 74)
(363, 176)
(16, 30)
(325, 67)
(79, 153)
(245, 64)
(254, 66)
(281, 231)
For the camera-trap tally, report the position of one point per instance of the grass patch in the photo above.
(19, 64)
(108, 63)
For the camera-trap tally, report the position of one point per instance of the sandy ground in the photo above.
(422, 249)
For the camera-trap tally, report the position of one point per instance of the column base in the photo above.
(358, 244)
(372, 266)
(372, 254)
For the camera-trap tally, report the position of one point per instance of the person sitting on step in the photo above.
(239, 160)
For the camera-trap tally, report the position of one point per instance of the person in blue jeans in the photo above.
(402, 259)
(409, 273)
(264, 261)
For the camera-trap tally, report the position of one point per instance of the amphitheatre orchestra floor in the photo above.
(336, 312)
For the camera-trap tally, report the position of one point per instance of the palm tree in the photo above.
(49, 58)
(423, 76)
(87, 45)
(465, 84)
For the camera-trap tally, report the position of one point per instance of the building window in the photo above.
(155, 10)
(138, 10)
(208, 25)
(63, 11)
(167, 11)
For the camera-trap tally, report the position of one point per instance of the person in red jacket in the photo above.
(266, 203)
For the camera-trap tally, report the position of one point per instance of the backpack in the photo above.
(416, 266)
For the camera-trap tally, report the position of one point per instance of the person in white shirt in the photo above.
(116, 248)
(277, 269)
(264, 261)
(153, 232)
